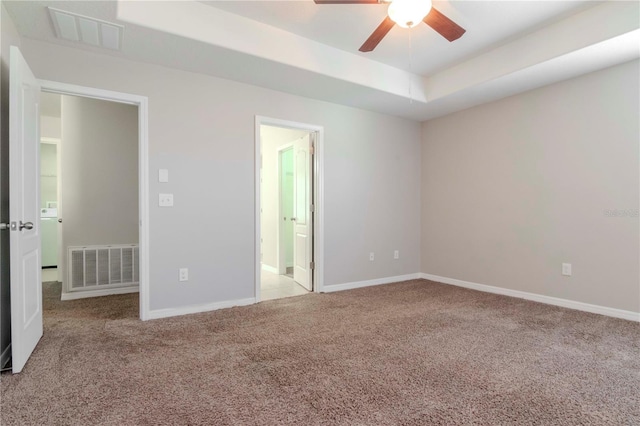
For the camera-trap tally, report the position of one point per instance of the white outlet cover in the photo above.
(163, 175)
(165, 200)
(566, 269)
(184, 274)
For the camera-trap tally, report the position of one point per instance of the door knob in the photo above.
(26, 225)
(293, 219)
(60, 220)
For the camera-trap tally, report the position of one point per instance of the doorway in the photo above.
(288, 208)
(24, 200)
(94, 252)
(50, 238)
(286, 190)
(130, 253)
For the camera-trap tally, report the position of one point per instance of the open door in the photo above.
(24, 210)
(303, 219)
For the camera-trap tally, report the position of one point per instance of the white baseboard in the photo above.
(549, 300)
(196, 309)
(378, 281)
(270, 269)
(6, 355)
(96, 293)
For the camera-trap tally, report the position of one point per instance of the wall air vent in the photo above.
(91, 31)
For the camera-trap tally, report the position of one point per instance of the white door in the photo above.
(303, 224)
(24, 210)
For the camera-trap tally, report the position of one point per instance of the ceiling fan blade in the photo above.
(346, 1)
(443, 25)
(377, 36)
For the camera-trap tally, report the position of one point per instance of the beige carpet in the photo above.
(412, 353)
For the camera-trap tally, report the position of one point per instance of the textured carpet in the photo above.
(411, 353)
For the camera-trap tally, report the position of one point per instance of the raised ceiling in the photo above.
(312, 50)
(419, 50)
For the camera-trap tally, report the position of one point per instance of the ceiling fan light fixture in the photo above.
(409, 13)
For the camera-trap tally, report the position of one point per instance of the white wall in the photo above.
(272, 138)
(514, 188)
(48, 173)
(99, 172)
(50, 127)
(202, 130)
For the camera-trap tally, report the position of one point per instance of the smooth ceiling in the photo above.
(419, 50)
(311, 50)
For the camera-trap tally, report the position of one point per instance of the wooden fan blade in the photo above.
(346, 1)
(377, 36)
(443, 25)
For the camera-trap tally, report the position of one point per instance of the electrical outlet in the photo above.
(165, 200)
(396, 254)
(184, 274)
(566, 269)
(371, 256)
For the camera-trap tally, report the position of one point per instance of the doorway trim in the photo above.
(142, 102)
(318, 198)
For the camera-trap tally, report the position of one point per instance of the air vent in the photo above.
(97, 266)
(83, 29)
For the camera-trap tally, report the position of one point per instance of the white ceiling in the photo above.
(419, 50)
(311, 50)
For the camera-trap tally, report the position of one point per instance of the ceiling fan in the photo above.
(407, 14)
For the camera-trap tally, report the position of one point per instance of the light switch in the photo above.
(165, 200)
(163, 175)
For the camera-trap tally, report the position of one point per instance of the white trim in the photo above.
(549, 300)
(196, 309)
(270, 269)
(318, 198)
(59, 205)
(368, 283)
(257, 215)
(143, 168)
(318, 218)
(52, 141)
(5, 357)
(101, 292)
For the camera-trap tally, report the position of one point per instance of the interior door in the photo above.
(24, 210)
(303, 219)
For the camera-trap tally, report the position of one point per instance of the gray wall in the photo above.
(99, 172)
(514, 188)
(202, 129)
(9, 36)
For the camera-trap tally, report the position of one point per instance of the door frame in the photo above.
(318, 198)
(58, 143)
(142, 102)
(281, 256)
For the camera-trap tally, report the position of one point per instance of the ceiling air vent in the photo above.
(74, 27)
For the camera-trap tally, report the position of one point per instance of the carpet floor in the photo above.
(411, 353)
